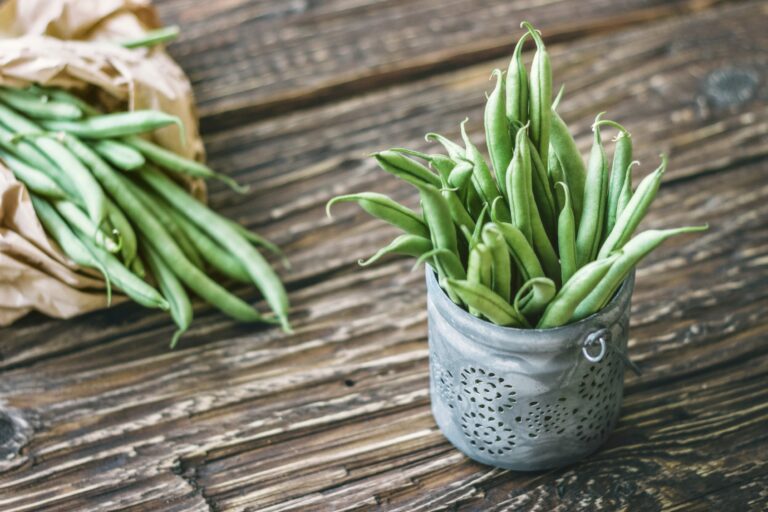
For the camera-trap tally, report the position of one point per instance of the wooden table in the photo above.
(97, 413)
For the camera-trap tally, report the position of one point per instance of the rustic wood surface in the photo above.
(97, 414)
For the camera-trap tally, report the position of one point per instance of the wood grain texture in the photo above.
(336, 417)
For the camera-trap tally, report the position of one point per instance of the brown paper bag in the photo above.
(65, 43)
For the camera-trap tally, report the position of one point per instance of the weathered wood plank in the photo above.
(253, 59)
(342, 405)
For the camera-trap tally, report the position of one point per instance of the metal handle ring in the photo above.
(601, 337)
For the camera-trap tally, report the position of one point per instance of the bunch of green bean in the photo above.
(108, 197)
(537, 238)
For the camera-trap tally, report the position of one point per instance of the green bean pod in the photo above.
(590, 230)
(497, 135)
(481, 175)
(542, 244)
(62, 96)
(178, 164)
(36, 181)
(560, 310)
(626, 191)
(540, 94)
(259, 241)
(153, 38)
(501, 266)
(262, 275)
(129, 243)
(132, 285)
(81, 223)
(635, 250)
(32, 156)
(479, 269)
(405, 168)
(622, 157)
(566, 234)
(69, 243)
(573, 169)
(74, 176)
(455, 151)
(517, 87)
(488, 303)
(635, 210)
(119, 154)
(519, 185)
(438, 217)
(407, 244)
(36, 107)
(521, 251)
(384, 208)
(461, 175)
(118, 124)
(542, 192)
(533, 297)
(459, 214)
(172, 290)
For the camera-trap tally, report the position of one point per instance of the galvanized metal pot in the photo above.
(526, 399)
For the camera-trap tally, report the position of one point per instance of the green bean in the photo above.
(542, 245)
(262, 275)
(488, 303)
(459, 214)
(533, 297)
(521, 251)
(501, 266)
(569, 158)
(455, 151)
(161, 211)
(210, 251)
(542, 193)
(177, 163)
(33, 106)
(636, 249)
(441, 163)
(69, 243)
(132, 285)
(31, 156)
(479, 269)
(173, 290)
(119, 124)
(137, 267)
(497, 135)
(438, 218)
(517, 87)
(81, 223)
(62, 96)
(405, 168)
(481, 175)
(540, 94)
(153, 37)
(476, 234)
(566, 235)
(384, 208)
(259, 241)
(590, 230)
(626, 191)
(82, 182)
(460, 175)
(519, 185)
(622, 157)
(119, 154)
(410, 245)
(556, 101)
(123, 227)
(560, 310)
(36, 181)
(635, 210)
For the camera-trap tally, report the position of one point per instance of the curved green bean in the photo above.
(568, 156)
(622, 157)
(118, 124)
(173, 291)
(405, 168)
(455, 151)
(36, 181)
(81, 223)
(636, 249)
(384, 208)
(121, 224)
(481, 175)
(521, 251)
(635, 210)
(501, 266)
(407, 244)
(533, 297)
(488, 303)
(519, 185)
(153, 38)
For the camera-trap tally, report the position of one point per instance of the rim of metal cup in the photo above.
(515, 340)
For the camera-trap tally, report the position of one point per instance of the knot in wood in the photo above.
(731, 86)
